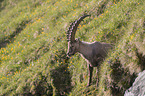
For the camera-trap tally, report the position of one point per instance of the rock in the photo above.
(138, 87)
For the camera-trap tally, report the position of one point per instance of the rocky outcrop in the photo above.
(138, 87)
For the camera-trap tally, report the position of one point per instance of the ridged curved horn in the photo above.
(73, 27)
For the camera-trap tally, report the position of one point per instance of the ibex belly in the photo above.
(96, 60)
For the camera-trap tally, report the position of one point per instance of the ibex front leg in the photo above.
(90, 69)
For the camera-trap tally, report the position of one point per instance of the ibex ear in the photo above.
(78, 40)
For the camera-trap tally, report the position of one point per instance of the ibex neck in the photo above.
(84, 49)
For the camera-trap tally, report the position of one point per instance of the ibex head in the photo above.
(73, 44)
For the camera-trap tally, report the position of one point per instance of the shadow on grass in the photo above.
(141, 61)
(61, 80)
(1, 7)
(8, 39)
(42, 88)
(122, 79)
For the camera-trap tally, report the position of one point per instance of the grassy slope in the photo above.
(33, 46)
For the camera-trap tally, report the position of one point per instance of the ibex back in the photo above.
(93, 53)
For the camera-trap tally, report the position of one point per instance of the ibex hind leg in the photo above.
(97, 79)
(90, 69)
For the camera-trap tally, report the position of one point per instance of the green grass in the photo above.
(33, 46)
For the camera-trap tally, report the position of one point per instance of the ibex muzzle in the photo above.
(94, 53)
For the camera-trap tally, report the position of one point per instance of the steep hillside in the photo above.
(33, 46)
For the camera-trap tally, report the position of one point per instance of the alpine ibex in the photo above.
(93, 53)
